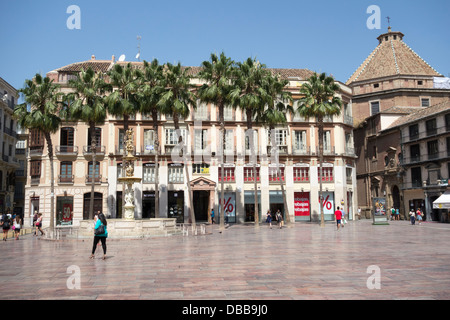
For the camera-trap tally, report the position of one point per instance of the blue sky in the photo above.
(324, 36)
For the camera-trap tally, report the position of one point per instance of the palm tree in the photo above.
(319, 100)
(40, 111)
(218, 72)
(176, 100)
(250, 95)
(123, 101)
(149, 95)
(87, 103)
(275, 114)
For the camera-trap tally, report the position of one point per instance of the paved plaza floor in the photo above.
(359, 262)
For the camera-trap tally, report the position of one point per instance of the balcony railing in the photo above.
(416, 159)
(36, 151)
(99, 150)
(423, 134)
(97, 179)
(65, 179)
(66, 150)
(281, 150)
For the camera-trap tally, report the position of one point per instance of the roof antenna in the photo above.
(138, 56)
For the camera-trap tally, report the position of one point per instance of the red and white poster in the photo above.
(67, 212)
(301, 204)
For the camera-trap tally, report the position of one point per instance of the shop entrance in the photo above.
(201, 205)
(148, 205)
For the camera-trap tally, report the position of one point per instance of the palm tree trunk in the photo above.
(253, 159)
(155, 128)
(321, 204)
(124, 151)
(180, 140)
(52, 182)
(222, 168)
(283, 192)
(94, 152)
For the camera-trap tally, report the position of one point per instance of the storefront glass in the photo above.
(64, 211)
(176, 205)
(249, 205)
(302, 209)
(230, 207)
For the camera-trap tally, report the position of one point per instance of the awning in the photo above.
(443, 202)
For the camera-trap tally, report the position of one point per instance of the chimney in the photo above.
(113, 58)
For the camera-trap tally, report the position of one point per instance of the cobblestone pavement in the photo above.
(301, 262)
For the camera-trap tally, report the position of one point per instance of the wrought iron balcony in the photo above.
(65, 179)
(99, 150)
(66, 150)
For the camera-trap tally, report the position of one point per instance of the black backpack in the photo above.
(6, 224)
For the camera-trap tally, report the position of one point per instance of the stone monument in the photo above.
(129, 178)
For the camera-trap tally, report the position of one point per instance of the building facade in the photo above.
(298, 153)
(425, 145)
(393, 82)
(8, 139)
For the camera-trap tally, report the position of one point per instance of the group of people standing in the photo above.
(278, 217)
(413, 215)
(9, 222)
(394, 214)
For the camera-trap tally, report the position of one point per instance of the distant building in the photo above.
(391, 83)
(8, 139)
(425, 145)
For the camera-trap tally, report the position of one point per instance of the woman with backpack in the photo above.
(279, 218)
(100, 234)
(6, 225)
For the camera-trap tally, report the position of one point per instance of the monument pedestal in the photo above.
(131, 229)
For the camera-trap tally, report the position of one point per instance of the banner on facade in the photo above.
(328, 202)
(301, 204)
(230, 205)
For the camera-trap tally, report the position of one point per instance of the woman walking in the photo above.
(269, 219)
(6, 225)
(39, 224)
(279, 218)
(17, 225)
(100, 234)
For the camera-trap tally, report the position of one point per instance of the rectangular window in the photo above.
(425, 102)
(229, 140)
(301, 174)
(228, 113)
(176, 174)
(327, 174)
(200, 168)
(201, 113)
(273, 174)
(416, 177)
(66, 172)
(172, 136)
(327, 141)
(431, 127)
(375, 107)
(148, 173)
(300, 141)
(35, 168)
(414, 132)
(433, 149)
(200, 139)
(36, 138)
(415, 152)
(229, 174)
(248, 174)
